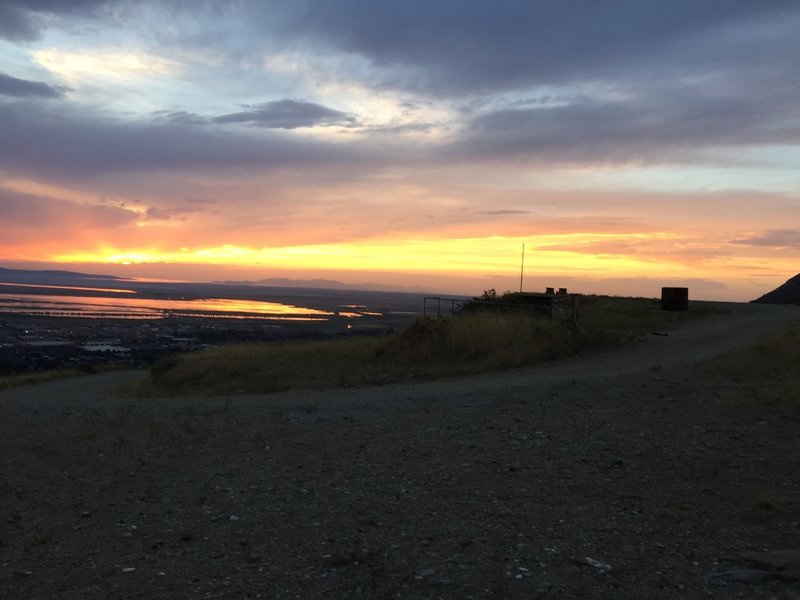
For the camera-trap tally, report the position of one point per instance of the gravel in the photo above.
(636, 474)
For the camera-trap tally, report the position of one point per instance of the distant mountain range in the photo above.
(51, 276)
(327, 284)
(788, 293)
(56, 277)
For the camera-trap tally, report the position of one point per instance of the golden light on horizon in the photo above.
(565, 253)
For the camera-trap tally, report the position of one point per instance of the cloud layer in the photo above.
(286, 114)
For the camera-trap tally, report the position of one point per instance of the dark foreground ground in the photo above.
(633, 484)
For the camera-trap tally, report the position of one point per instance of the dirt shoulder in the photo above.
(632, 474)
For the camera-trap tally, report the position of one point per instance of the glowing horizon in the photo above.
(551, 257)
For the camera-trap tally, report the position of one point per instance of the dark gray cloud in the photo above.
(393, 130)
(21, 20)
(16, 23)
(71, 142)
(278, 114)
(39, 140)
(287, 114)
(23, 88)
(772, 238)
(180, 117)
(663, 124)
(453, 46)
(655, 81)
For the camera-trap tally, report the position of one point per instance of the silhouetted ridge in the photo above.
(788, 293)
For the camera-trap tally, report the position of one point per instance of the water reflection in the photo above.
(142, 308)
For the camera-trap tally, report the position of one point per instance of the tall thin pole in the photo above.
(522, 269)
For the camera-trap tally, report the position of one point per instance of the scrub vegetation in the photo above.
(490, 333)
(11, 381)
(767, 373)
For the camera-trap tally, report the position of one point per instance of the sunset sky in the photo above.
(628, 144)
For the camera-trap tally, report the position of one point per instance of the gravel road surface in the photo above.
(647, 472)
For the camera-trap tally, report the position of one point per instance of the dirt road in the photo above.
(641, 473)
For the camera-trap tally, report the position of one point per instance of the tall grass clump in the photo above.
(478, 341)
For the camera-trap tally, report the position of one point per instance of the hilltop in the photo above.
(788, 293)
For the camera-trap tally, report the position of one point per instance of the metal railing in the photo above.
(436, 307)
(565, 306)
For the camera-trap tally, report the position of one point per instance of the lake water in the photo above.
(142, 299)
(103, 302)
(128, 306)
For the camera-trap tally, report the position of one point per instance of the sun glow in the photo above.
(584, 254)
(633, 263)
(135, 258)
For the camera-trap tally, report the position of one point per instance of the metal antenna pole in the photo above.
(522, 268)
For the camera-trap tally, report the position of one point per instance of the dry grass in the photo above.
(610, 319)
(470, 342)
(479, 341)
(426, 350)
(263, 367)
(767, 373)
(11, 381)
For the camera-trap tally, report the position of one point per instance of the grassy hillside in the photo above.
(469, 342)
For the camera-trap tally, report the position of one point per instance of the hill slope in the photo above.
(788, 293)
